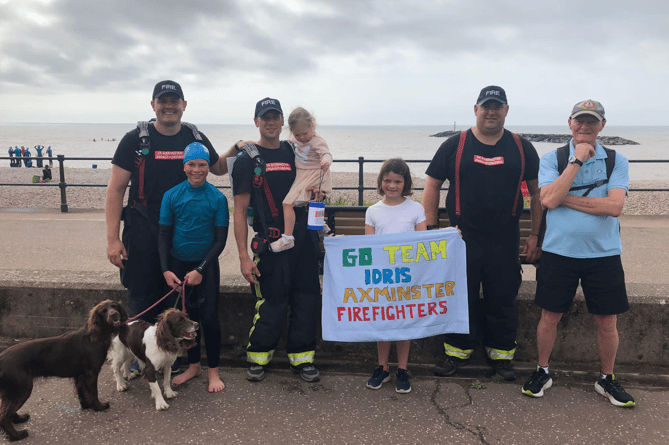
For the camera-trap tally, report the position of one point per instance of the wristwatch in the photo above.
(432, 227)
(575, 160)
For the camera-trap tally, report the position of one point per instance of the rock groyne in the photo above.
(553, 138)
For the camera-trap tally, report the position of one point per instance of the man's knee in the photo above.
(606, 323)
(550, 318)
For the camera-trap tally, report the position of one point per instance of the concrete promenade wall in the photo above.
(28, 311)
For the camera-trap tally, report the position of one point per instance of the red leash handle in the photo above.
(183, 302)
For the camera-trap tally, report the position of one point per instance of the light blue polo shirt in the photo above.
(577, 234)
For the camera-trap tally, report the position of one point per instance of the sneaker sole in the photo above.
(386, 380)
(547, 385)
(403, 391)
(613, 401)
(310, 379)
(255, 378)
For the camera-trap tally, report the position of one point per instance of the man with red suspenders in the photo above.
(485, 167)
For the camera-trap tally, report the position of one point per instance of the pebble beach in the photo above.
(47, 196)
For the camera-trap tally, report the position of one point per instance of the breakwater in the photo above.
(553, 138)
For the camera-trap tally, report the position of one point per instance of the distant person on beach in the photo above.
(583, 186)
(23, 153)
(29, 162)
(395, 213)
(194, 221)
(46, 174)
(281, 281)
(485, 167)
(312, 161)
(11, 157)
(49, 154)
(151, 170)
(38, 149)
(17, 155)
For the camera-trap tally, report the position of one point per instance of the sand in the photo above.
(47, 196)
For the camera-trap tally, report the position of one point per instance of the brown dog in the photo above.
(79, 354)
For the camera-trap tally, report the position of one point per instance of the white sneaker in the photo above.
(283, 243)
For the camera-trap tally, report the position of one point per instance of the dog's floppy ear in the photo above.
(164, 337)
(96, 318)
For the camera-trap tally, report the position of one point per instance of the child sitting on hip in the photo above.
(312, 161)
(395, 213)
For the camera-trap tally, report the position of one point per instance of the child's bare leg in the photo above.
(215, 382)
(194, 370)
(403, 347)
(288, 219)
(383, 348)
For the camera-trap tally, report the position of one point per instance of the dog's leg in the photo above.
(118, 362)
(87, 390)
(10, 404)
(167, 382)
(150, 374)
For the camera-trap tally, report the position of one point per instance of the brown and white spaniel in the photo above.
(155, 347)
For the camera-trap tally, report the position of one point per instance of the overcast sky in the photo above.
(361, 62)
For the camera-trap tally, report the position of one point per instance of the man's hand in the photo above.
(193, 278)
(172, 280)
(116, 253)
(531, 250)
(584, 151)
(249, 269)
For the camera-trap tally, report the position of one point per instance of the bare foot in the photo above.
(215, 382)
(194, 370)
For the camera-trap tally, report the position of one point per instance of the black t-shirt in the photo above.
(489, 177)
(279, 173)
(164, 163)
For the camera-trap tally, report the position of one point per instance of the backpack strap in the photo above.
(193, 128)
(522, 171)
(260, 182)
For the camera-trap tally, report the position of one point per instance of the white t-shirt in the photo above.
(395, 219)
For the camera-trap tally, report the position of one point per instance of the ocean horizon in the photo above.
(346, 142)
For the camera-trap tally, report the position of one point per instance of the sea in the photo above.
(347, 143)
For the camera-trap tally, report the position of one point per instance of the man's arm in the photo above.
(612, 205)
(554, 193)
(118, 183)
(246, 264)
(221, 166)
(530, 249)
(431, 200)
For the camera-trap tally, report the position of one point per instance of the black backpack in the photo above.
(562, 154)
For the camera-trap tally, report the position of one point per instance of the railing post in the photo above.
(361, 177)
(62, 184)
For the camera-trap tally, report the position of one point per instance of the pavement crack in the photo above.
(477, 431)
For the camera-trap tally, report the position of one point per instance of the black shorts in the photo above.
(602, 280)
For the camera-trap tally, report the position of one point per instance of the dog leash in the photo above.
(182, 293)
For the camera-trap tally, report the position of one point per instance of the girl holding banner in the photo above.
(395, 213)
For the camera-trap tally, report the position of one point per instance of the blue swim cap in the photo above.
(196, 150)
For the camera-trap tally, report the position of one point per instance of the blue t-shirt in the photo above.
(577, 234)
(194, 212)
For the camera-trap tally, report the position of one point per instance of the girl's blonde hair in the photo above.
(299, 115)
(397, 166)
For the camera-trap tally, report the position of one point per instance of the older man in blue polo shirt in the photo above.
(584, 197)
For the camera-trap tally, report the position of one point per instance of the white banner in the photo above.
(400, 286)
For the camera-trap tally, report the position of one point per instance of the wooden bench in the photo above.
(350, 220)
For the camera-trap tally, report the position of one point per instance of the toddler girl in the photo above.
(312, 161)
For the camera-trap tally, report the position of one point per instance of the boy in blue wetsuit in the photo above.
(193, 222)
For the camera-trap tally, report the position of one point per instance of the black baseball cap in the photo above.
(492, 92)
(266, 104)
(167, 86)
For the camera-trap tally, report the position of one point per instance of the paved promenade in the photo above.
(69, 248)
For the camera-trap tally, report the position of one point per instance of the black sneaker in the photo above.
(255, 373)
(403, 383)
(308, 373)
(378, 378)
(609, 387)
(504, 369)
(537, 383)
(448, 367)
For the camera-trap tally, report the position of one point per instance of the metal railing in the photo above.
(361, 188)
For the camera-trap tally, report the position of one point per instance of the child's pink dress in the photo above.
(309, 173)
